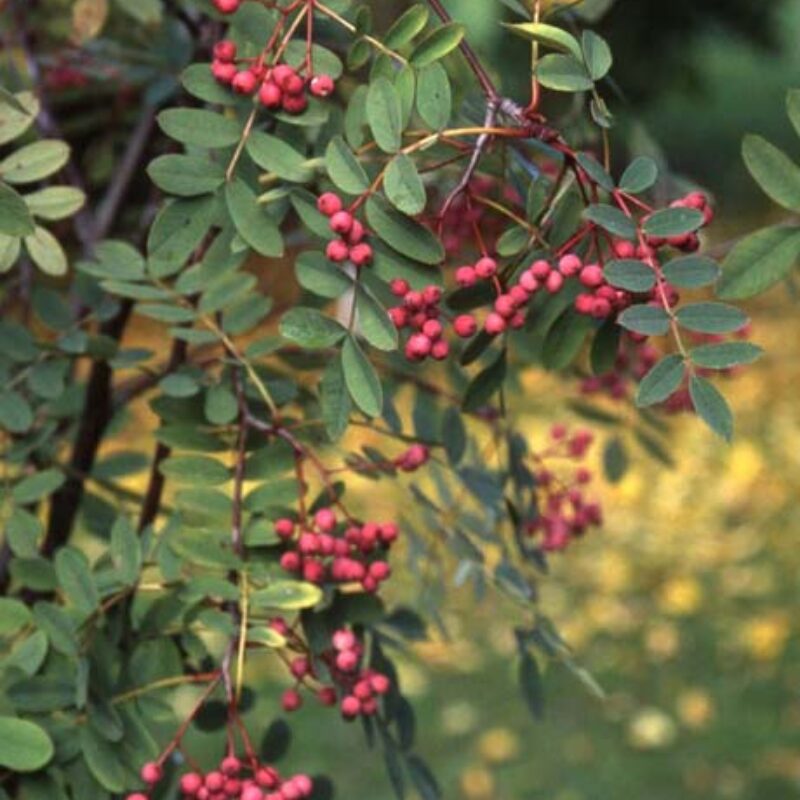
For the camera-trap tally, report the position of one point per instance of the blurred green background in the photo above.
(685, 606)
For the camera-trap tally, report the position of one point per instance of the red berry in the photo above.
(327, 696)
(347, 660)
(136, 796)
(505, 306)
(540, 270)
(554, 282)
(465, 326)
(440, 350)
(281, 73)
(486, 267)
(215, 781)
(223, 71)
(270, 95)
(399, 316)
(329, 204)
(284, 528)
(399, 287)
(570, 265)
(361, 255)
(191, 783)
(294, 103)
(325, 520)
(380, 570)
(291, 562)
(341, 222)
(431, 295)
(225, 50)
(418, 346)
(313, 572)
(624, 249)
(300, 667)
(357, 232)
(432, 329)
(293, 84)
(528, 281)
(244, 82)
(230, 766)
(465, 276)
(322, 86)
(227, 6)
(291, 700)
(494, 324)
(151, 773)
(380, 683)
(267, 777)
(592, 276)
(337, 251)
(252, 793)
(351, 707)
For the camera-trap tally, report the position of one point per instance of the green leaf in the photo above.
(125, 550)
(175, 234)
(406, 26)
(404, 234)
(199, 128)
(311, 328)
(615, 460)
(336, 405)
(596, 55)
(59, 627)
(361, 379)
(200, 83)
(344, 169)
(186, 176)
(374, 322)
(26, 746)
(16, 415)
(793, 108)
(711, 318)
(115, 260)
(403, 186)
(758, 262)
(596, 171)
(226, 290)
(423, 779)
(13, 121)
(645, 319)
(384, 115)
(278, 157)
(548, 35)
(286, 596)
(13, 616)
(34, 162)
(437, 44)
(630, 274)
(711, 406)
(662, 381)
(220, 405)
(486, 384)
(673, 222)
(103, 760)
(75, 579)
(725, 355)
(773, 171)
(37, 486)
(530, 682)
(640, 175)
(46, 252)
(55, 202)
(15, 217)
(197, 470)
(563, 74)
(434, 96)
(316, 274)
(254, 226)
(611, 219)
(10, 247)
(691, 272)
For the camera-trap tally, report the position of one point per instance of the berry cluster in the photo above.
(350, 246)
(321, 554)
(232, 779)
(353, 687)
(421, 313)
(279, 87)
(562, 510)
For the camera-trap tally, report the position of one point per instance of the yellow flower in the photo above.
(765, 637)
(695, 708)
(499, 745)
(680, 596)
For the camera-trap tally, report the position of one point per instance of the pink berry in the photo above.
(351, 707)
(137, 796)
(529, 282)
(431, 295)
(313, 571)
(294, 103)
(230, 766)
(344, 640)
(357, 233)
(322, 86)
(244, 82)
(224, 72)
(380, 570)
(494, 324)
(432, 329)
(624, 249)
(291, 700)
(227, 6)
(570, 265)
(284, 528)
(327, 696)
(465, 326)
(290, 562)
(337, 251)
(215, 782)
(380, 683)
(151, 773)
(540, 270)
(399, 287)
(329, 204)
(225, 50)
(304, 784)
(465, 276)
(325, 520)
(418, 346)
(347, 660)
(341, 222)
(361, 255)
(592, 276)
(266, 777)
(486, 267)
(270, 95)
(282, 73)
(293, 84)
(554, 282)
(252, 793)
(505, 306)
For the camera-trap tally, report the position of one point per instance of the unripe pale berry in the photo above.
(322, 86)
(270, 95)
(329, 204)
(465, 326)
(485, 267)
(151, 773)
